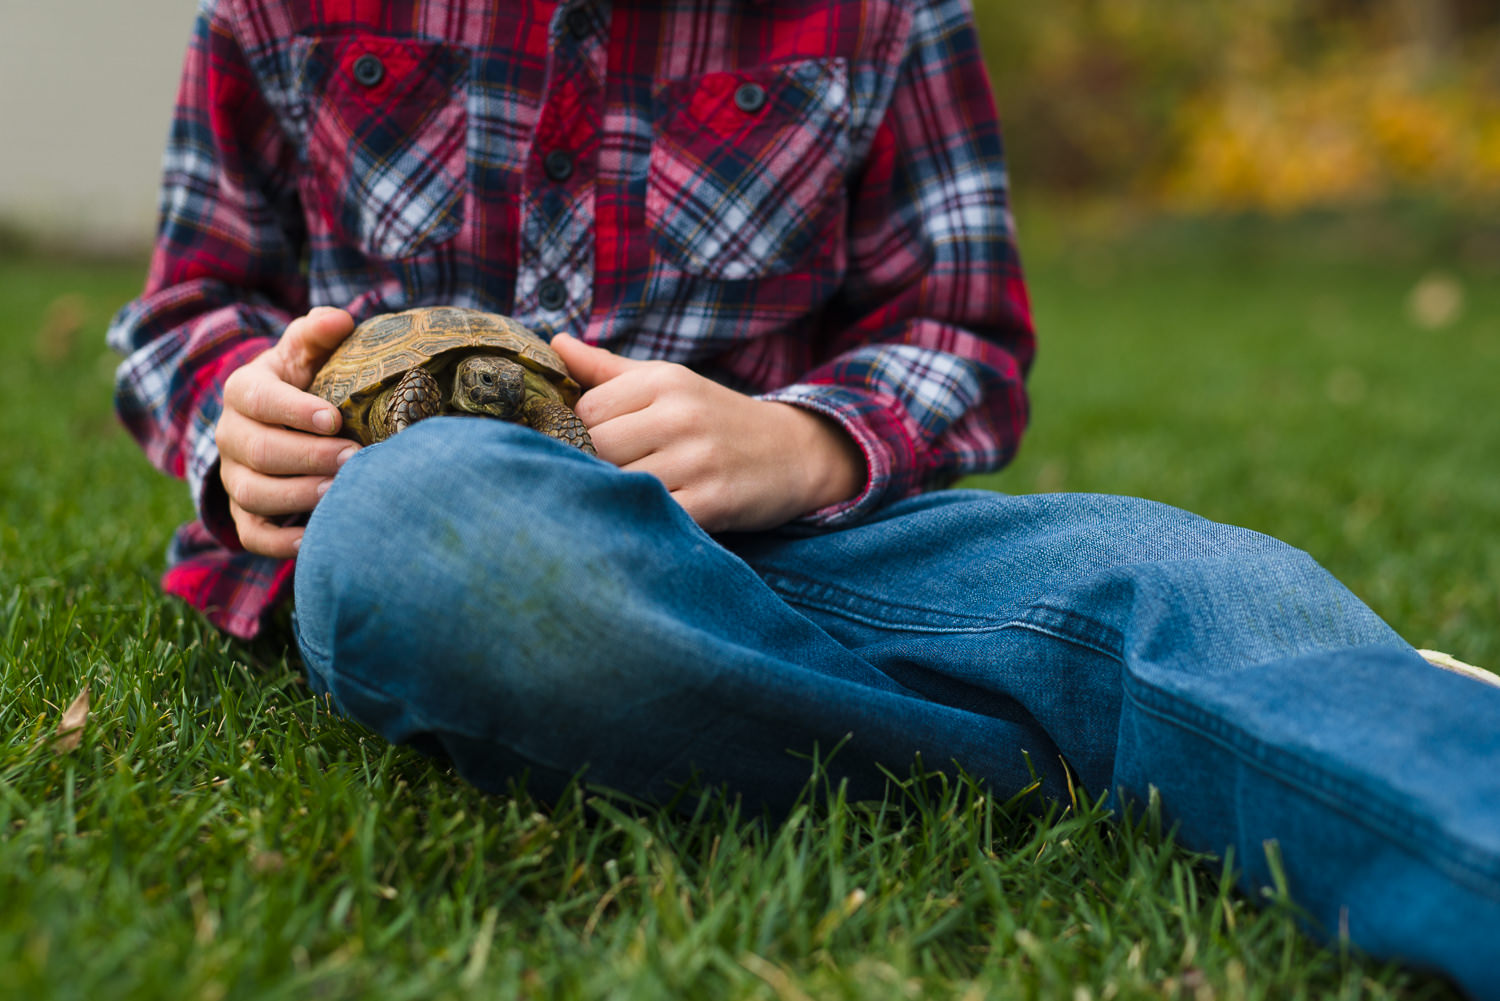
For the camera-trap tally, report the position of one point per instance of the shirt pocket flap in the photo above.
(747, 167)
(386, 139)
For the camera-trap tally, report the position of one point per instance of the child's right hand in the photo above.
(276, 446)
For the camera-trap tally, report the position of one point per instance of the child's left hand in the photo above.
(733, 462)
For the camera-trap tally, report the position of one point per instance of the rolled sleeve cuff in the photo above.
(876, 426)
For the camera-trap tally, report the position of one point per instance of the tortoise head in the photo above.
(489, 384)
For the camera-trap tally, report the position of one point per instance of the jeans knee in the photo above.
(416, 531)
(467, 560)
(1249, 599)
(1165, 583)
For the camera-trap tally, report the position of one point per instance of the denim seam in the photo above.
(1302, 777)
(308, 647)
(1065, 637)
(826, 597)
(1073, 627)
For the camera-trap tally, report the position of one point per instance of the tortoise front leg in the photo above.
(556, 420)
(414, 397)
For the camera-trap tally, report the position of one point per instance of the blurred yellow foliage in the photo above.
(1370, 127)
(1273, 105)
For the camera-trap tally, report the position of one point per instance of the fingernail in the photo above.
(347, 453)
(296, 543)
(323, 487)
(323, 421)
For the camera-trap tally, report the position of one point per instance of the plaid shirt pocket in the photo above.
(387, 137)
(747, 169)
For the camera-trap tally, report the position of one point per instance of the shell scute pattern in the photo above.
(383, 348)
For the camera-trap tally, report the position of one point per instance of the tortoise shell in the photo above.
(384, 347)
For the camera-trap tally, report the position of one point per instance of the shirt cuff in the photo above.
(878, 429)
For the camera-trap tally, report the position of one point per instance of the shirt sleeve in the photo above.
(225, 274)
(932, 330)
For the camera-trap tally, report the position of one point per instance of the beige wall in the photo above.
(86, 89)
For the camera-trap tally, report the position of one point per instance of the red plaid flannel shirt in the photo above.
(806, 202)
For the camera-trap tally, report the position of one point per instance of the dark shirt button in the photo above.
(750, 97)
(558, 165)
(579, 23)
(368, 70)
(552, 294)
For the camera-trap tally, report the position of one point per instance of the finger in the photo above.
(256, 392)
(591, 365)
(628, 439)
(727, 506)
(617, 398)
(272, 496)
(309, 340)
(678, 392)
(265, 537)
(277, 451)
(684, 465)
(704, 507)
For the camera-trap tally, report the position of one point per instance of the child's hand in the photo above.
(276, 452)
(733, 462)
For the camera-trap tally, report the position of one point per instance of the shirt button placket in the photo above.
(552, 294)
(558, 165)
(557, 259)
(580, 25)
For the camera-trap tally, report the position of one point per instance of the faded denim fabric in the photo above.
(480, 589)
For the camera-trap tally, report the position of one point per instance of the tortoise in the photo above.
(398, 368)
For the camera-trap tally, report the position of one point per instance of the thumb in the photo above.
(588, 364)
(309, 340)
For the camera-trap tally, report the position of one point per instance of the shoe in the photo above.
(1450, 663)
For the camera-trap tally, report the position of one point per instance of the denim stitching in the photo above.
(309, 649)
(821, 595)
(1073, 627)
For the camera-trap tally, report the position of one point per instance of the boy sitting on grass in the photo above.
(772, 242)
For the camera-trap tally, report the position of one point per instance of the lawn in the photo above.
(216, 834)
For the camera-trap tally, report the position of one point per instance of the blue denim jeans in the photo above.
(474, 587)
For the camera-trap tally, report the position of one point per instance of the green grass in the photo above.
(218, 835)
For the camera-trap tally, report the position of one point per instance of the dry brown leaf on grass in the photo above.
(65, 319)
(70, 730)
